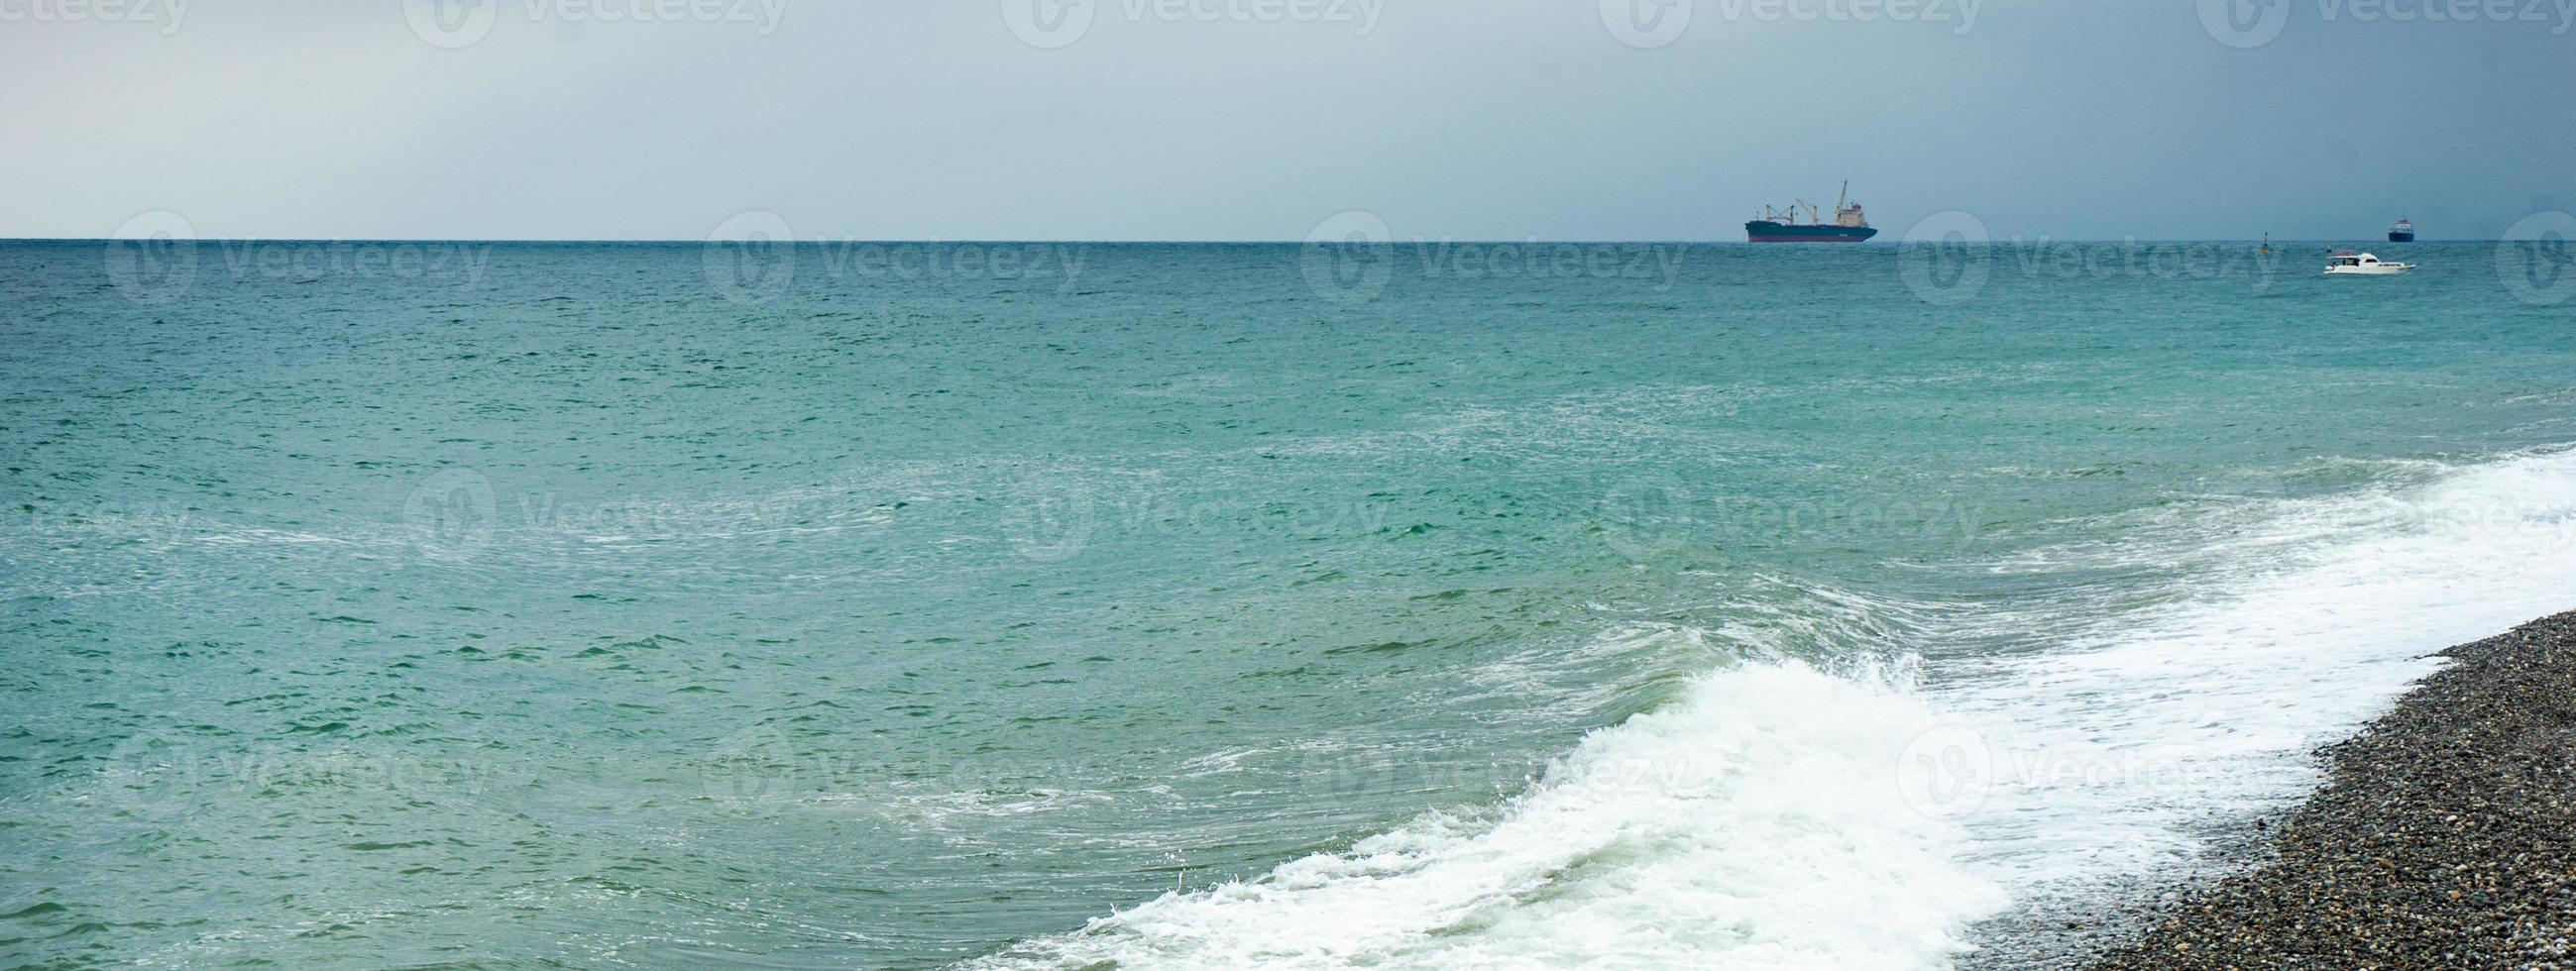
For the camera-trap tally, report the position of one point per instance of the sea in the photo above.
(1397, 604)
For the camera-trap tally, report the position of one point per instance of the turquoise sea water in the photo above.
(492, 605)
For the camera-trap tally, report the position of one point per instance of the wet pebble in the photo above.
(2443, 838)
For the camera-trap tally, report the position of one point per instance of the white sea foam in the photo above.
(1753, 824)
(2102, 758)
(1775, 816)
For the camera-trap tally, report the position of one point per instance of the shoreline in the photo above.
(2444, 835)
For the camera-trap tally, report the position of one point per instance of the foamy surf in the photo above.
(1780, 817)
(1752, 824)
(2111, 756)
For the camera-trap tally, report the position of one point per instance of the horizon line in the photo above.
(8, 240)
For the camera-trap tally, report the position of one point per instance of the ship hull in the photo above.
(2397, 237)
(1766, 231)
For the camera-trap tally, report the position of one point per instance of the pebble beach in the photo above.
(2445, 836)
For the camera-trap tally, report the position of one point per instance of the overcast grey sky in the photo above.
(1255, 119)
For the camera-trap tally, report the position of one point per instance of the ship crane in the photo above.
(1846, 212)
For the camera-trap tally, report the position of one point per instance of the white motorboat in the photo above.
(2363, 264)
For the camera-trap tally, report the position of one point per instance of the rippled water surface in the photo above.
(541, 605)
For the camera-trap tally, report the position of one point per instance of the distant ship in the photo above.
(1849, 226)
(2403, 232)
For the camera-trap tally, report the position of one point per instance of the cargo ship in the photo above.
(2403, 232)
(1849, 226)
